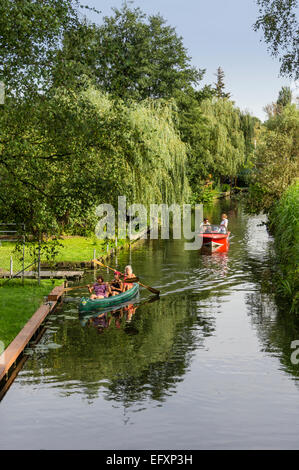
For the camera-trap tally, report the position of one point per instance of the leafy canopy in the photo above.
(276, 159)
(131, 56)
(278, 21)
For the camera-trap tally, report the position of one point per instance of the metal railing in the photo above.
(15, 238)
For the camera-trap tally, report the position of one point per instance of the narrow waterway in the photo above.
(208, 366)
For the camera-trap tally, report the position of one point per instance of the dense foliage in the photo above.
(29, 34)
(130, 56)
(278, 21)
(276, 159)
(74, 151)
(284, 222)
(216, 141)
(97, 111)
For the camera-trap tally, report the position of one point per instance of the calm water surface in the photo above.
(205, 367)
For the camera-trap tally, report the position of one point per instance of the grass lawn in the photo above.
(18, 303)
(73, 249)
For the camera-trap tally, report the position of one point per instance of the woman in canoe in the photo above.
(128, 275)
(116, 285)
(100, 288)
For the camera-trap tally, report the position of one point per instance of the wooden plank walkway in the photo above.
(47, 274)
(17, 346)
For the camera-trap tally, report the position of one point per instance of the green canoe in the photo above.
(86, 304)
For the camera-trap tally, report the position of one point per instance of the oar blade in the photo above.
(151, 289)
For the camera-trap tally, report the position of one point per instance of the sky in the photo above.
(218, 33)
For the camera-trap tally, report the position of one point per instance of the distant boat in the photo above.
(215, 238)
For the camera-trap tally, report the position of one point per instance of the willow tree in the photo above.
(222, 149)
(143, 157)
(69, 152)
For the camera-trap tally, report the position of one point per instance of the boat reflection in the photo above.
(117, 318)
(217, 263)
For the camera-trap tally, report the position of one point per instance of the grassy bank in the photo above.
(18, 303)
(284, 222)
(73, 249)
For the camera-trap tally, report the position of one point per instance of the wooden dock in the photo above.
(13, 354)
(73, 275)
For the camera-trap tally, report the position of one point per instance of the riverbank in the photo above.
(73, 251)
(284, 223)
(18, 302)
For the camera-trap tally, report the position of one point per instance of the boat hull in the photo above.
(215, 242)
(86, 304)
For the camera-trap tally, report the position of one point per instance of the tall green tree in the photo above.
(284, 97)
(132, 55)
(220, 86)
(30, 33)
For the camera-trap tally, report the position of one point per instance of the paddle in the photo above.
(132, 279)
(151, 289)
(66, 289)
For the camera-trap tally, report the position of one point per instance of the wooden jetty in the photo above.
(72, 275)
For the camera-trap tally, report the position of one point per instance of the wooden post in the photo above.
(11, 267)
(38, 266)
(23, 259)
(94, 257)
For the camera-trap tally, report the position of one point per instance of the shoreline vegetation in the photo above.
(284, 224)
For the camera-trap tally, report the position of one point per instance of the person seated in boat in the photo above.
(205, 226)
(223, 223)
(100, 288)
(128, 274)
(116, 286)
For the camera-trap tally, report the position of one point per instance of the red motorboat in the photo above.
(215, 238)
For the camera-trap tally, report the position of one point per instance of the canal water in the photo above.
(207, 366)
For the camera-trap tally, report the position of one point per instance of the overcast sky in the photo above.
(219, 33)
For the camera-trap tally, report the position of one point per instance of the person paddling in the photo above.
(101, 289)
(128, 275)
